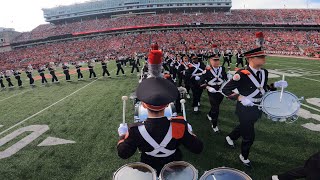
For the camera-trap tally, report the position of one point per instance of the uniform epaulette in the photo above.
(135, 125)
(246, 72)
(208, 68)
(178, 127)
(190, 65)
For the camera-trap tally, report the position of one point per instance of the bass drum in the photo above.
(225, 173)
(276, 110)
(178, 170)
(135, 171)
(141, 113)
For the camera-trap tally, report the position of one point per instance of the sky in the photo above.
(25, 15)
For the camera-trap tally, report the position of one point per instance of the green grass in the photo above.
(92, 115)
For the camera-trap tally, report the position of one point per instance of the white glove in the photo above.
(197, 78)
(229, 76)
(280, 84)
(211, 89)
(246, 102)
(190, 128)
(123, 129)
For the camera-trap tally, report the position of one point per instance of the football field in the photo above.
(69, 130)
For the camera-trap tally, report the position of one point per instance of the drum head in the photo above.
(178, 170)
(135, 171)
(272, 106)
(225, 174)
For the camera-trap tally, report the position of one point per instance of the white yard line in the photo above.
(14, 95)
(315, 109)
(49, 106)
(310, 79)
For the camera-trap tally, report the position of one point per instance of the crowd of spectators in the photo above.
(294, 16)
(276, 42)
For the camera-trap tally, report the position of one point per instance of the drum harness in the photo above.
(157, 147)
(216, 77)
(259, 87)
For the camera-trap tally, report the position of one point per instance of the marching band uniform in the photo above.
(135, 64)
(1, 81)
(18, 78)
(157, 138)
(212, 79)
(78, 68)
(226, 59)
(104, 69)
(193, 73)
(239, 59)
(7, 76)
(119, 67)
(53, 74)
(91, 70)
(66, 72)
(252, 85)
(41, 73)
(29, 75)
(184, 65)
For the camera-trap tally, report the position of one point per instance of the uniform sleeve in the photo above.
(203, 80)
(127, 145)
(192, 142)
(228, 89)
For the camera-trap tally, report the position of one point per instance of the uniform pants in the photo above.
(120, 69)
(67, 75)
(239, 61)
(248, 116)
(1, 83)
(54, 77)
(30, 78)
(226, 60)
(79, 74)
(105, 71)
(186, 84)
(9, 82)
(215, 101)
(92, 73)
(43, 79)
(19, 81)
(133, 67)
(196, 93)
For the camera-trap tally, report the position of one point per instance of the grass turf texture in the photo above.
(92, 115)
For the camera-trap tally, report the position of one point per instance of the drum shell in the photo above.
(195, 171)
(207, 173)
(154, 174)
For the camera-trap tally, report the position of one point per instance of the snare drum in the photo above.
(225, 173)
(178, 170)
(141, 113)
(135, 171)
(276, 110)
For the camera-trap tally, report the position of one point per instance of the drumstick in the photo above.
(183, 101)
(282, 89)
(124, 99)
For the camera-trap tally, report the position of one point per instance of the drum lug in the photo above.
(301, 99)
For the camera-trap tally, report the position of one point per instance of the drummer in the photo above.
(251, 82)
(157, 138)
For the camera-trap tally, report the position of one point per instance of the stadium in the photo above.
(68, 129)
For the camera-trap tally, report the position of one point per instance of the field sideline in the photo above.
(89, 113)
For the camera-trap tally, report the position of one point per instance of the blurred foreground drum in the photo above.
(225, 173)
(287, 109)
(135, 171)
(141, 113)
(178, 170)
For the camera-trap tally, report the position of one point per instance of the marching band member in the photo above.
(251, 83)
(52, 70)
(78, 68)
(18, 78)
(119, 67)
(182, 71)
(214, 76)
(157, 138)
(29, 70)
(65, 68)
(41, 70)
(7, 75)
(239, 56)
(225, 55)
(104, 68)
(91, 69)
(135, 63)
(193, 74)
(1, 81)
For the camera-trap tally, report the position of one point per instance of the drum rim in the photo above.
(153, 171)
(223, 168)
(273, 116)
(195, 177)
